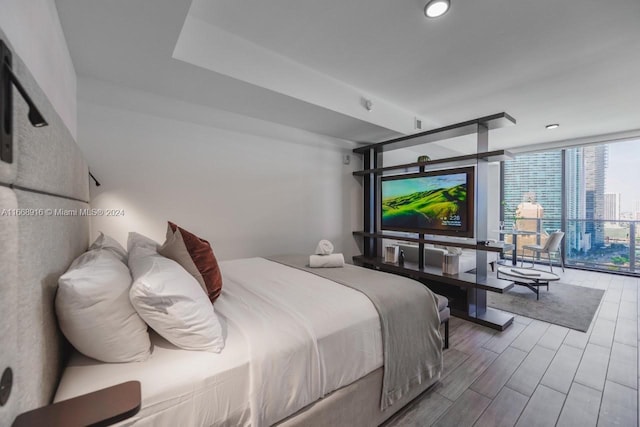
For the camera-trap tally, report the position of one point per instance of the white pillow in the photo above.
(138, 240)
(94, 310)
(172, 302)
(105, 242)
(453, 250)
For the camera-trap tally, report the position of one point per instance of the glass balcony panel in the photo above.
(601, 245)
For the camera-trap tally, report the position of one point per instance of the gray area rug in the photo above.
(564, 305)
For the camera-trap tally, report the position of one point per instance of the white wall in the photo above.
(34, 31)
(203, 44)
(251, 188)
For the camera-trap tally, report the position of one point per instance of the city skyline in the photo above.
(621, 175)
(538, 177)
(599, 197)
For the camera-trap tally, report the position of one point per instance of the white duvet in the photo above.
(292, 337)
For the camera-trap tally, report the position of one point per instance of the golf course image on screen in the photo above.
(424, 203)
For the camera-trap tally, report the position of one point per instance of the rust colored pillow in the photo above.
(194, 255)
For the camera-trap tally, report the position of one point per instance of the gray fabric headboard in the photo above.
(37, 244)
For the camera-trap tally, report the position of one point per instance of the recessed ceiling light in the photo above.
(436, 8)
(552, 126)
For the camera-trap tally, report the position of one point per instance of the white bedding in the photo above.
(292, 337)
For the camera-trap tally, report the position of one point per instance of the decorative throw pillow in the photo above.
(171, 301)
(194, 255)
(94, 310)
(105, 242)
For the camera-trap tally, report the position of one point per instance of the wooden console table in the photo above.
(467, 282)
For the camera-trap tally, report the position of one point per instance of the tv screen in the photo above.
(438, 202)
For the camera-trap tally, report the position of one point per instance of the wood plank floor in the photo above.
(539, 374)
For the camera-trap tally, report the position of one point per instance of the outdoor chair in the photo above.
(551, 246)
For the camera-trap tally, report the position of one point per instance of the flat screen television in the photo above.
(435, 202)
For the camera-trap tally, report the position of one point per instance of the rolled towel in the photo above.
(324, 261)
(324, 247)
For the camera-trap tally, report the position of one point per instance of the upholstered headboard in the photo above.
(46, 182)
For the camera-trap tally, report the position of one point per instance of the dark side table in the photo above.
(99, 408)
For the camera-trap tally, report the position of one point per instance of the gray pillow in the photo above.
(108, 243)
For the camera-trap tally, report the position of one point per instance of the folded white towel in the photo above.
(332, 260)
(324, 247)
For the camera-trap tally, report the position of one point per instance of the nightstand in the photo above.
(99, 408)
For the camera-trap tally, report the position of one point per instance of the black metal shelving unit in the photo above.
(467, 289)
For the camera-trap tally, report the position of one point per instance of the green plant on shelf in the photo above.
(510, 215)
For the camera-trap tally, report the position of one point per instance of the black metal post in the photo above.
(369, 200)
(6, 106)
(482, 220)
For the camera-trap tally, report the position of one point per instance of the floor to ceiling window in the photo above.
(592, 193)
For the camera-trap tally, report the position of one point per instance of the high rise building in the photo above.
(595, 163)
(612, 206)
(535, 178)
(576, 239)
(585, 172)
(533, 190)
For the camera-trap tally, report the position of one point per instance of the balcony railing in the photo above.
(593, 244)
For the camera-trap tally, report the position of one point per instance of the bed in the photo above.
(339, 371)
(200, 388)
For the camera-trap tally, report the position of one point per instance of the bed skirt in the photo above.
(355, 405)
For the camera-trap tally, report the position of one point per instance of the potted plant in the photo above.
(510, 215)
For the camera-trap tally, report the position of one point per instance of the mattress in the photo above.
(291, 338)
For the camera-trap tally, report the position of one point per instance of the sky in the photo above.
(403, 187)
(623, 173)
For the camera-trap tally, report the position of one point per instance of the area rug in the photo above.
(564, 305)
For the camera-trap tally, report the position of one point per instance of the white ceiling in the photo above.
(309, 64)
